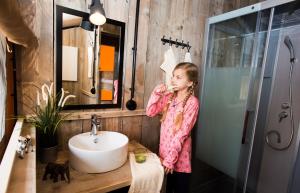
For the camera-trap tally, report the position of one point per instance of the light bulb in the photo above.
(97, 18)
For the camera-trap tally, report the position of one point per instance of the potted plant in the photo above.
(47, 119)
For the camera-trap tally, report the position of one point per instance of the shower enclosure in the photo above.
(247, 137)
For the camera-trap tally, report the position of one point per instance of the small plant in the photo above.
(47, 117)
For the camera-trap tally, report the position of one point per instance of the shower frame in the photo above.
(258, 7)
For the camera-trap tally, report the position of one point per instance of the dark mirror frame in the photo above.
(59, 16)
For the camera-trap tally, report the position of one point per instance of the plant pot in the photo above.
(48, 154)
(47, 147)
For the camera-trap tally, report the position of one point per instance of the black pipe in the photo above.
(131, 104)
(93, 90)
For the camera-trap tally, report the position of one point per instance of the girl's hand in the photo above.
(160, 89)
(161, 160)
(168, 170)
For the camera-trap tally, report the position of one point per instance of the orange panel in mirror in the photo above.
(106, 95)
(107, 58)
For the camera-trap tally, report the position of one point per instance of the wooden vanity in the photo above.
(87, 183)
(27, 173)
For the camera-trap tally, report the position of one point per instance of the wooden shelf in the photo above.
(23, 175)
(105, 114)
(83, 115)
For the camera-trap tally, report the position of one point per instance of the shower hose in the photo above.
(292, 61)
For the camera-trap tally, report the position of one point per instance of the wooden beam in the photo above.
(102, 114)
(105, 114)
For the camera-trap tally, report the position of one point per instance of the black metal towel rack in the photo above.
(176, 43)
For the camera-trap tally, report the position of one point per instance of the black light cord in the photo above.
(93, 90)
(134, 49)
(131, 104)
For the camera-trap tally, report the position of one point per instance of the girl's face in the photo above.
(180, 80)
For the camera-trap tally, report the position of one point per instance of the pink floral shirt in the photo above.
(175, 149)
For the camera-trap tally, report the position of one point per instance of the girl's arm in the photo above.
(156, 102)
(189, 120)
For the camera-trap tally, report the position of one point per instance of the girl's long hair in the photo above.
(191, 71)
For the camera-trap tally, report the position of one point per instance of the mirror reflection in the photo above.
(91, 60)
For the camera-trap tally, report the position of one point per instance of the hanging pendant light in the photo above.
(97, 14)
(86, 24)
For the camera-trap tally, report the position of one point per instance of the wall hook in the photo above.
(188, 46)
(177, 43)
(163, 40)
(183, 46)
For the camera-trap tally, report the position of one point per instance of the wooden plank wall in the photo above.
(243, 3)
(35, 63)
(181, 19)
(78, 37)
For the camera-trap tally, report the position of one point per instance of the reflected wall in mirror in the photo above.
(96, 81)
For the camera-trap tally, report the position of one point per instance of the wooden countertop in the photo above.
(87, 183)
(23, 175)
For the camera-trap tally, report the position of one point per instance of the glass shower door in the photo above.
(232, 78)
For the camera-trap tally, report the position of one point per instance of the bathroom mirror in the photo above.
(96, 82)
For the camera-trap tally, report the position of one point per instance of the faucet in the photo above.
(95, 123)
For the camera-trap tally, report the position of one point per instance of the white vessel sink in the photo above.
(96, 154)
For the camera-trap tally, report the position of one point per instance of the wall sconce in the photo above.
(97, 14)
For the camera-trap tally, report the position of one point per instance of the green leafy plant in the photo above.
(47, 118)
(47, 115)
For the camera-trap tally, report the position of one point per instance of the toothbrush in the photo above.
(170, 88)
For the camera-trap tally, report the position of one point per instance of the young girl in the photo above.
(180, 110)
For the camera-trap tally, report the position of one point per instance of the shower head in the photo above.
(288, 43)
